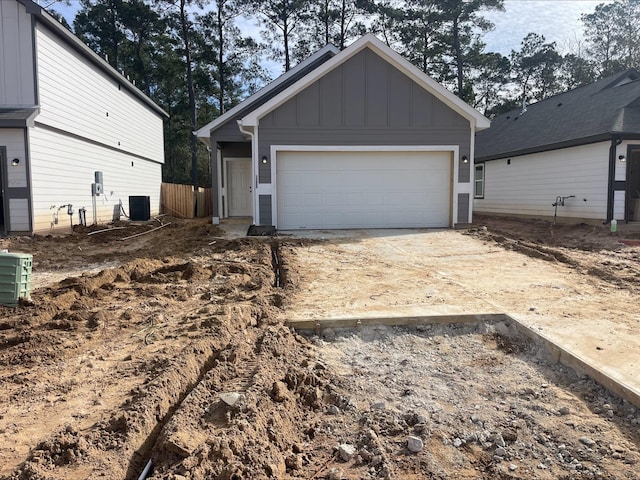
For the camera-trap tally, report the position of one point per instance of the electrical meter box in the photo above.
(15, 277)
(97, 188)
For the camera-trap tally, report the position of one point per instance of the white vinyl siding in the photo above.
(13, 140)
(530, 183)
(16, 55)
(370, 189)
(78, 98)
(63, 171)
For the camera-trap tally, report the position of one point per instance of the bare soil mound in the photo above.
(590, 249)
(167, 348)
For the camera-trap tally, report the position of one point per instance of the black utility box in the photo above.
(139, 208)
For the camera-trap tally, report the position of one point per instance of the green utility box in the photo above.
(15, 277)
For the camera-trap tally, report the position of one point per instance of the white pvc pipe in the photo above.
(145, 472)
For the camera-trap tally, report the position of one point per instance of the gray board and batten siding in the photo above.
(229, 131)
(232, 142)
(363, 101)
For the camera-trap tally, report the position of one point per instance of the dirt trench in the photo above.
(175, 352)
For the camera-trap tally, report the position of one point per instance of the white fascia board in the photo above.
(205, 131)
(477, 120)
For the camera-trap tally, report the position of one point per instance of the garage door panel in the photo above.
(363, 189)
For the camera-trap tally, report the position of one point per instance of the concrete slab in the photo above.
(235, 227)
(411, 273)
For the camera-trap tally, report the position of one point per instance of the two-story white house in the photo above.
(66, 114)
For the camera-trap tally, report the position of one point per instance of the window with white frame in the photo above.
(478, 191)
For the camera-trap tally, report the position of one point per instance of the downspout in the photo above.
(615, 141)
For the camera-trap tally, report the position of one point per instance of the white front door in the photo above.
(239, 188)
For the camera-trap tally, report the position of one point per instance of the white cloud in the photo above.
(558, 20)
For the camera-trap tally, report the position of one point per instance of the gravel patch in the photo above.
(465, 401)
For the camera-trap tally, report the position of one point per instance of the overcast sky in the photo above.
(557, 20)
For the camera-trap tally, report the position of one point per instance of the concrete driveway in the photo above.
(394, 273)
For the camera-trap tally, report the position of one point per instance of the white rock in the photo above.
(414, 444)
(587, 441)
(346, 452)
(230, 398)
(336, 474)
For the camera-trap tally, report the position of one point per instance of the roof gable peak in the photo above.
(387, 54)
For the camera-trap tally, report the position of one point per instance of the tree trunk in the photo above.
(343, 26)
(458, 53)
(327, 37)
(221, 79)
(192, 95)
(114, 38)
(285, 35)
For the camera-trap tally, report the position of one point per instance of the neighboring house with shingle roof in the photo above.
(66, 114)
(583, 144)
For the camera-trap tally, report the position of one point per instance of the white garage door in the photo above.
(363, 189)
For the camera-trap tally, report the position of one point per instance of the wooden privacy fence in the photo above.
(184, 202)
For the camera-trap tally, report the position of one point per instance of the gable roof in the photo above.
(68, 37)
(587, 114)
(270, 89)
(478, 120)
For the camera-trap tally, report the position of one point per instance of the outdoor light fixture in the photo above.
(465, 159)
(264, 159)
(622, 158)
(15, 162)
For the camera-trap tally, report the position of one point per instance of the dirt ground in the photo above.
(171, 347)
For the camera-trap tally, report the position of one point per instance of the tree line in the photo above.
(193, 58)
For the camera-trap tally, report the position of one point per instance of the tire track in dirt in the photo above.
(581, 261)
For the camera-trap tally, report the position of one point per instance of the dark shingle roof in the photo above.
(610, 105)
